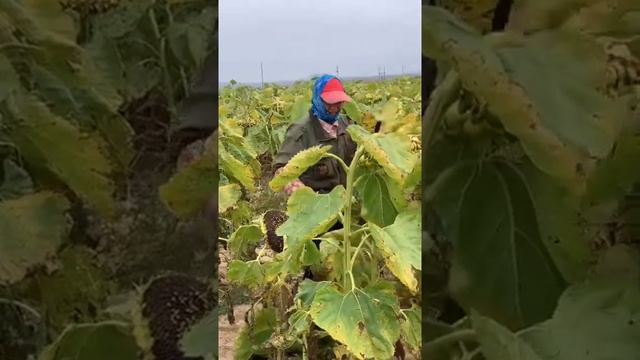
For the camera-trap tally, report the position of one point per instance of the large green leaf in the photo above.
(298, 164)
(498, 343)
(243, 238)
(365, 320)
(559, 129)
(597, 321)
(101, 341)
(191, 189)
(391, 151)
(561, 228)
(501, 266)
(248, 273)
(307, 291)
(310, 213)
(377, 205)
(50, 143)
(32, 228)
(202, 338)
(400, 244)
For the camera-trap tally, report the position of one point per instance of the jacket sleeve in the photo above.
(293, 144)
(198, 113)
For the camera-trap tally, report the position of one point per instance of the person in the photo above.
(323, 125)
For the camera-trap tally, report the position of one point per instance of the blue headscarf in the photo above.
(317, 106)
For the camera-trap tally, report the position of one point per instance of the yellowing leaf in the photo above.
(54, 145)
(228, 195)
(401, 245)
(391, 151)
(362, 319)
(236, 169)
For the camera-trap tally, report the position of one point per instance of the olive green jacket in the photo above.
(308, 132)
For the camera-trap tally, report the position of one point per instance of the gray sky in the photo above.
(295, 39)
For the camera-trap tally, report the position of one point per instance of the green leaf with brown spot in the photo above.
(298, 164)
(365, 320)
(31, 227)
(391, 151)
(400, 244)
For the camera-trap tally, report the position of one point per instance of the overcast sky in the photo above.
(295, 39)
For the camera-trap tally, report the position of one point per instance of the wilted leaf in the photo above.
(243, 238)
(411, 327)
(252, 338)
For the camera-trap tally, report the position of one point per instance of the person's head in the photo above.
(328, 98)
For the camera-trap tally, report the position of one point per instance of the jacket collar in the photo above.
(319, 132)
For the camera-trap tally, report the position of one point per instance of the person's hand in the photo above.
(292, 186)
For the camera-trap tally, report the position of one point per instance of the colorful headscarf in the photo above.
(317, 105)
